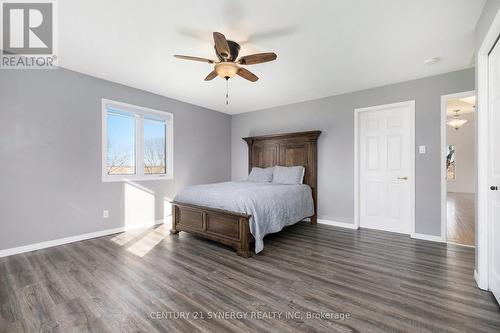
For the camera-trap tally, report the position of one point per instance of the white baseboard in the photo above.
(481, 284)
(72, 239)
(431, 238)
(482, 281)
(458, 244)
(338, 224)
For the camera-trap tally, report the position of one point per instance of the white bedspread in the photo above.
(272, 206)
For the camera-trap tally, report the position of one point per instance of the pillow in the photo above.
(288, 175)
(262, 175)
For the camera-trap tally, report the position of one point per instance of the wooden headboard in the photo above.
(288, 149)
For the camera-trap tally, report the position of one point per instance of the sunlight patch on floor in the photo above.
(124, 238)
(139, 212)
(148, 242)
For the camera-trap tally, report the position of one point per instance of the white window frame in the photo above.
(139, 112)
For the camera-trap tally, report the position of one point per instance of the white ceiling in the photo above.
(465, 107)
(324, 47)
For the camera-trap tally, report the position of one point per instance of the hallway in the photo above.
(460, 213)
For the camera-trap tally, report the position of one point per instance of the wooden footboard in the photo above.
(222, 226)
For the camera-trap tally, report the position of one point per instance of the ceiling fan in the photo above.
(229, 65)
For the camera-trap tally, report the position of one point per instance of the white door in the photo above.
(494, 169)
(386, 167)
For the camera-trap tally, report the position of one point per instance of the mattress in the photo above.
(272, 206)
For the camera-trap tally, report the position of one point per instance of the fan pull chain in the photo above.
(227, 91)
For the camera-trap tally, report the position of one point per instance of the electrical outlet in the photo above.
(421, 149)
(105, 214)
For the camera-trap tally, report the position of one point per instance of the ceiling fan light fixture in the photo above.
(226, 69)
(227, 52)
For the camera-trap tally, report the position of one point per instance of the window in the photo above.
(121, 143)
(154, 147)
(137, 142)
(450, 163)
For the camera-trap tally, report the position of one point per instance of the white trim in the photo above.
(139, 112)
(338, 224)
(458, 244)
(411, 105)
(479, 282)
(356, 168)
(139, 149)
(444, 100)
(384, 230)
(431, 238)
(483, 223)
(72, 239)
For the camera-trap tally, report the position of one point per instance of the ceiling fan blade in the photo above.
(246, 74)
(211, 76)
(221, 45)
(257, 58)
(194, 58)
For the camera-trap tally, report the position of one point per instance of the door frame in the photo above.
(481, 272)
(411, 109)
(444, 100)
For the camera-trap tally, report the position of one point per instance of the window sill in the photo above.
(111, 179)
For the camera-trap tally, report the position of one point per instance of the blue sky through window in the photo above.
(121, 141)
(154, 129)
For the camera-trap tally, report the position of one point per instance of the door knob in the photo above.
(403, 178)
(494, 188)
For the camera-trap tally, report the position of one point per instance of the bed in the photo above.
(232, 212)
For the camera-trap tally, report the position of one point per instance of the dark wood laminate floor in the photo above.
(386, 282)
(461, 211)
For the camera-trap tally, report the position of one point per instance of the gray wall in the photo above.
(50, 153)
(335, 117)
